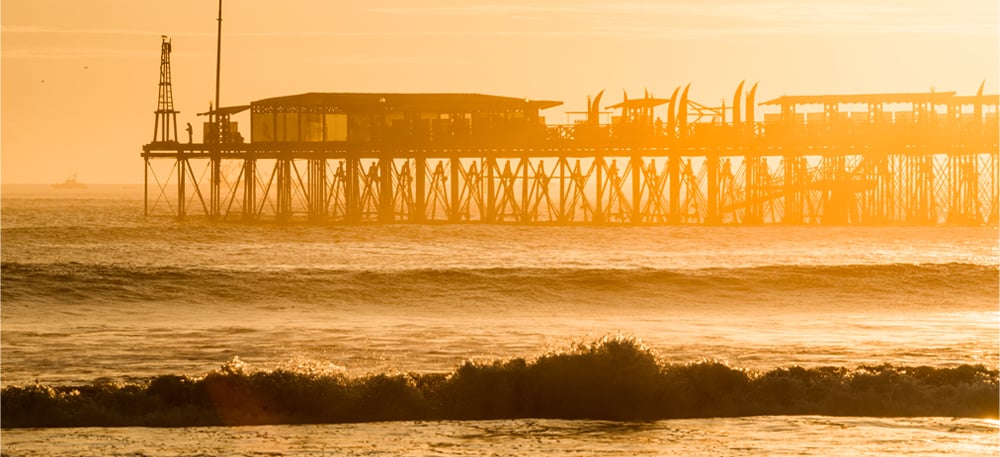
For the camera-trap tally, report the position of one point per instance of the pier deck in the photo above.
(925, 165)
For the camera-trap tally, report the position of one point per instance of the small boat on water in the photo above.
(70, 183)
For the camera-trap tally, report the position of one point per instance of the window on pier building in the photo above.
(459, 125)
(312, 127)
(335, 127)
(288, 126)
(396, 126)
(262, 127)
(360, 127)
(305, 126)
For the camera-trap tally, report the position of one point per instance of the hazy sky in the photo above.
(79, 78)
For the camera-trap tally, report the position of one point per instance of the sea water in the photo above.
(266, 339)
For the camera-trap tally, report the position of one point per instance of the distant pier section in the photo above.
(350, 158)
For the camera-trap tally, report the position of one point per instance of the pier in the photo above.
(350, 158)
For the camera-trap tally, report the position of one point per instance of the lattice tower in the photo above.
(166, 116)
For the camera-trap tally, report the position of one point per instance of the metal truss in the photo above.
(611, 187)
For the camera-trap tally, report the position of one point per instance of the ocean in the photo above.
(128, 335)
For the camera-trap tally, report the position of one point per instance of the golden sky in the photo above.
(79, 78)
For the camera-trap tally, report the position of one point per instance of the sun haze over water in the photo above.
(79, 78)
(408, 257)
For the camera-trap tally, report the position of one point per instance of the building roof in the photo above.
(973, 99)
(429, 102)
(226, 110)
(918, 97)
(647, 102)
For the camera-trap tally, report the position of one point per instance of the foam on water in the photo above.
(805, 436)
(612, 379)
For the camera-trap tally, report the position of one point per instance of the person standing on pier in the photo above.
(190, 133)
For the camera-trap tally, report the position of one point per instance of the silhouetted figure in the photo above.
(190, 133)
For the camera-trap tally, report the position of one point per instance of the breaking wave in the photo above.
(613, 379)
(97, 283)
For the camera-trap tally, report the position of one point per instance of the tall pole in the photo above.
(218, 58)
(220, 136)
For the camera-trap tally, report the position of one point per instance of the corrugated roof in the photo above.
(226, 110)
(640, 103)
(442, 102)
(972, 99)
(918, 97)
(544, 104)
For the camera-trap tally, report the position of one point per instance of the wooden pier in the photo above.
(873, 159)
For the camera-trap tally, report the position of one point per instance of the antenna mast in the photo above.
(166, 116)
(218, 72)
(218, 57)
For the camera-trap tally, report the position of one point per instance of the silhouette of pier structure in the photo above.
(873, 159)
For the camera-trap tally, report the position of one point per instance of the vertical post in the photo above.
(322, 187)
(931, 204)
(971, 179)
(599, 202)
(636, 189)
(963, 186)
(385, 192)
(903, 203)
(313, 197)
(792, 209)
(955, 188)
(749, 187)
(525, 204)
(454, 166)
(181, 176)
(491, 200)
(918, 182)
(993, 168)
(712, 162)
(284, 189)
(674, 171)
(885, 197)
(912, 176)
(563, 213)
(311, 171)
(215, 184)
(145, 186)
(421, 200)
(249, 189)
(351, 198)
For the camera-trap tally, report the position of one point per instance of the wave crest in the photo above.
(613, 378)
(92, 283)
